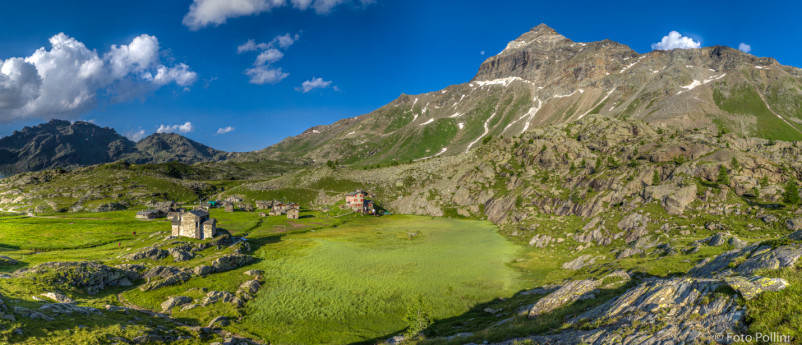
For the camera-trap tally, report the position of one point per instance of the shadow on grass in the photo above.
(510, 320)
(769, 206)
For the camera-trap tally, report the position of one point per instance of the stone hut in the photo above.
(233, 199)
(194, 224)
(280, 207)
(247, 207)
(274, 212)
(150, 214)
(263, 205)
(262, 214)
(293, 213)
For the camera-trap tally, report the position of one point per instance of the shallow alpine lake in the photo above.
(354, 282)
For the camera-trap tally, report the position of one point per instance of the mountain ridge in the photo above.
(65, 144)
(543, 78)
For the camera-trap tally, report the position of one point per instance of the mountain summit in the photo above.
(543, 78)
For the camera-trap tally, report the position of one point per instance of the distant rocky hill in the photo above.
(64, 144)
(543, 78)
(171, 147)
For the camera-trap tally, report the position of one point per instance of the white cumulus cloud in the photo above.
(675, 40)
(744, 47)
(204, 13)
(268, 56)
(68, 79)
(263, 72)
(225, 130)
(135, 136)
(265, 75)
(185, 128)
(314, 83)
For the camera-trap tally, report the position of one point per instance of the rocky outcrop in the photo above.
(161, 272)
(750, 287)
(579, 262)
(111, 206)
(749, 260)
(213, 297)
(153, 253)
(89, 275)
(33, 315)
(67, 308)
(687, 310)
(567, 294)
(541, 241)
(174, 279)
(180, 254)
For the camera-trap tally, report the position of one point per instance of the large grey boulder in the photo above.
(203, 270)
(180, 254)
(57, 297)
(218, 321)
(794, 224)
(250, 286)
(635, 226)
(173, 302)
(230, 262)
(718, 239)
(679, 200)
(254, 273)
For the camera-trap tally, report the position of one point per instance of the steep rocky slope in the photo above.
(543, 78)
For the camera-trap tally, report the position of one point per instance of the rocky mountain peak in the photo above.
(541, 37)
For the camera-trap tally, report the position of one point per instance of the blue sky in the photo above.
(371, 51)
